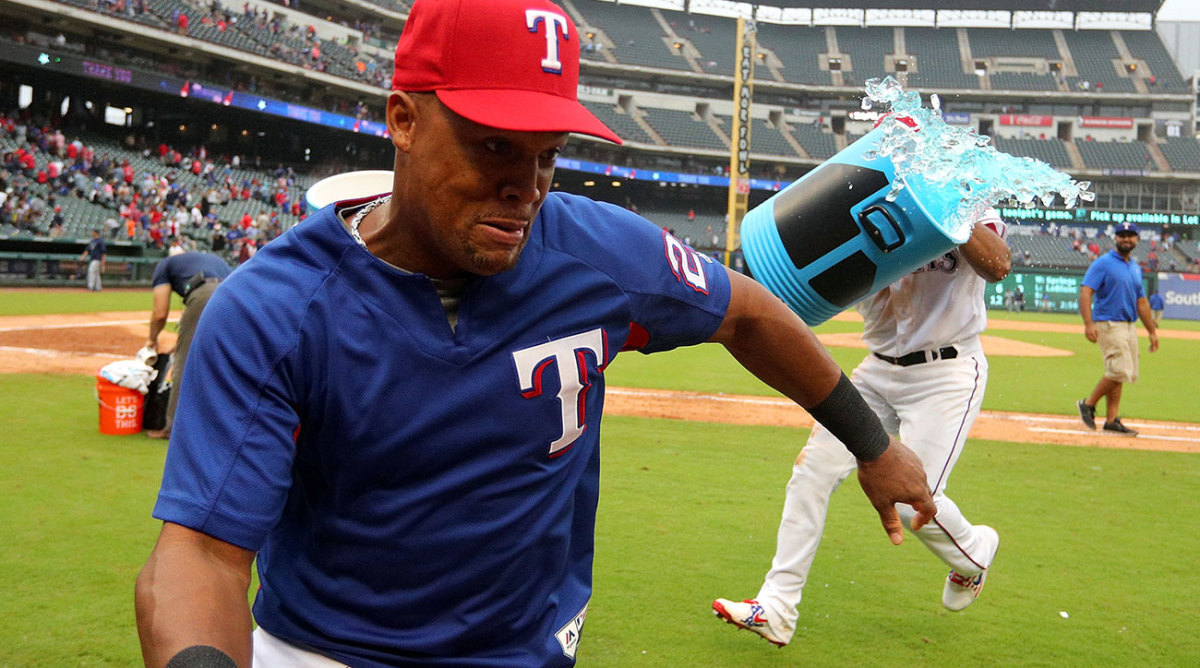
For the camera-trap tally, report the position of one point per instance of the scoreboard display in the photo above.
(1055, 293)
(1049, 291)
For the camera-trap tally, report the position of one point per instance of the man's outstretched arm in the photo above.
(774, 344)
(192, 592)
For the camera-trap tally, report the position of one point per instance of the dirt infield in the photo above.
(82, 343)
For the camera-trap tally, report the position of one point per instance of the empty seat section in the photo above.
(636, 34)
(1094, 54)
(1001, 43)
(1050, 151)
(1022, 81)
(816, 141)
(799, 49)
(939, 61)
(1183, 153)
(713, 36)
(1114, 155)
(765, 138)
(1148, 46)
(621, 123)
(680, 128)
(868, 49)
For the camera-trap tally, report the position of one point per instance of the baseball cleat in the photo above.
(1115, 426)
(1087, 414)
(751, 615)
(962, 590)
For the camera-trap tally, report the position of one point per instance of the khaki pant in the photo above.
(1119, 345)
(193, 306)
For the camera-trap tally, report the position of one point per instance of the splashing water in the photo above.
(945, 155)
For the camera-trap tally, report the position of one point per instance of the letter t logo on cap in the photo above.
(555, 23)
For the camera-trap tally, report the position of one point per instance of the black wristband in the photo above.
(848, 417)
(201, 656)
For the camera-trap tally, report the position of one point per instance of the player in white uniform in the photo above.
(924, 378)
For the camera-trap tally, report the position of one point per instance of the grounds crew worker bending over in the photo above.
(192, 276)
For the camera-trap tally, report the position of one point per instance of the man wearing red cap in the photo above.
(395, 406)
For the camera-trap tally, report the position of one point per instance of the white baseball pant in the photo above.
(272, 652)
(930, 407)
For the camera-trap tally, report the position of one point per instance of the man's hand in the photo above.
(897, 477)
(1153, 341)
(1089, 331)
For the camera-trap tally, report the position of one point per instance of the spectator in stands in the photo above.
(246, 250)
(217, 241)
(95, 253)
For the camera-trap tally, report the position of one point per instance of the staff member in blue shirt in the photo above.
(1115, 281)
(1157, 305)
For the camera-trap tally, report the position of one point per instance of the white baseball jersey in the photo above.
(938, 305)
(930, 406)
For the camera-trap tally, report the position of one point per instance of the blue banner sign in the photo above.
(1181, 294)
(617, 171)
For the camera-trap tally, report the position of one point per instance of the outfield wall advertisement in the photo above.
(1181, 294)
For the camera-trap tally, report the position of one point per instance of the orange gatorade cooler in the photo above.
(120, 408)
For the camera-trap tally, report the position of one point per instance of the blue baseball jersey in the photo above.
(1118, 286)
(417, 494)
(96, 249)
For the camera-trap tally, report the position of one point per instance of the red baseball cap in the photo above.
(506, 64)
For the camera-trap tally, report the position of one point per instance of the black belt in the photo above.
(921, 356)
(195, 282)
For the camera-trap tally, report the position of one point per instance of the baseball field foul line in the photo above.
(106, 323)
(991, 425)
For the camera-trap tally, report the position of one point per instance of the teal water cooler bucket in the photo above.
(831, 238)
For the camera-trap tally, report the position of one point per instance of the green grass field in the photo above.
(688, 513)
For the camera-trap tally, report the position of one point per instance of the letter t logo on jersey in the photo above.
(570, 358)
(555, 24)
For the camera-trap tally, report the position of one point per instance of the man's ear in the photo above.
(401, 119)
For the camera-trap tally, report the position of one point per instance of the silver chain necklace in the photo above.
(362, 213)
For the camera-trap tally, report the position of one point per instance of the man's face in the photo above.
(1126, 242)
(471, 191)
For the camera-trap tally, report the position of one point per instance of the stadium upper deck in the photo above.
(1095, 102)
